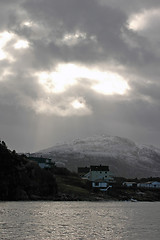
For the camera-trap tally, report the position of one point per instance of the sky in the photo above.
(79, 68)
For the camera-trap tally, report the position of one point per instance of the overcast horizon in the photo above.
(78, 68)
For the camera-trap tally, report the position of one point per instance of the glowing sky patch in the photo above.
(77, 104)
(112, 84)
(27, 24)
(5, 73)
(21, 44)
(67, 75)
(140, 21)
(72, 39)
(77, 35)
(58, 81)
(5, 37)
(3, 55)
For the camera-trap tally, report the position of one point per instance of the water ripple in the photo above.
(79, 221)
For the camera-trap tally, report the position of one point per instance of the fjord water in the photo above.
(79, 220)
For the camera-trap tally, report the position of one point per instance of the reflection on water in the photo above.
(79, 220)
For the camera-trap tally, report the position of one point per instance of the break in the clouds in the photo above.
(73, 68)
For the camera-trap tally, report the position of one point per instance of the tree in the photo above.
(4, 144)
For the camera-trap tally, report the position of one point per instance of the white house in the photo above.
(100, 176)
(100, 172)
(42, 162)
(152, 184)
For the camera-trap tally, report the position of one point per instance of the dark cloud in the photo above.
(131, 6)
(91, 34)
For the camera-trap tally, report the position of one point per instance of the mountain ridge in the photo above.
(125, 157)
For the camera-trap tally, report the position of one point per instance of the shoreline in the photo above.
(116, 195)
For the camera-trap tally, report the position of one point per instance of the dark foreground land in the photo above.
(22, 179)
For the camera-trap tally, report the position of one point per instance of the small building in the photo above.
(152, 184)
(42, 162)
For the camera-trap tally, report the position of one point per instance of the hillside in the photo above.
(125, 157)
(21, 179)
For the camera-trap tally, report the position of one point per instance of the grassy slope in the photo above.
(78, 188)
(72, 185)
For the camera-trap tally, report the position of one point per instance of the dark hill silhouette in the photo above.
(21, 179)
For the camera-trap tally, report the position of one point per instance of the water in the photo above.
(79, 220)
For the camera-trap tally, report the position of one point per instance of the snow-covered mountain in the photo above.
(123, 156)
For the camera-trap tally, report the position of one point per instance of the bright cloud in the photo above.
(5, 73)
(71, 39)
(8, 38)
(77, 104)
(5, 37)
(143, 20)
(21, 44)
(58, 81)
(3, 55)
(111, 84)
(77, 35)
(27, 24)
(67, 75)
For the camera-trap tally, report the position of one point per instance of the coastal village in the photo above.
(27, 177)
(100, 176)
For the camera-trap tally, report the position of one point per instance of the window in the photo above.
(96, 184)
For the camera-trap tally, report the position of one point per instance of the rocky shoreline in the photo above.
(114, 195)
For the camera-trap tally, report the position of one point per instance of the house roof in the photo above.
(99, 168)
